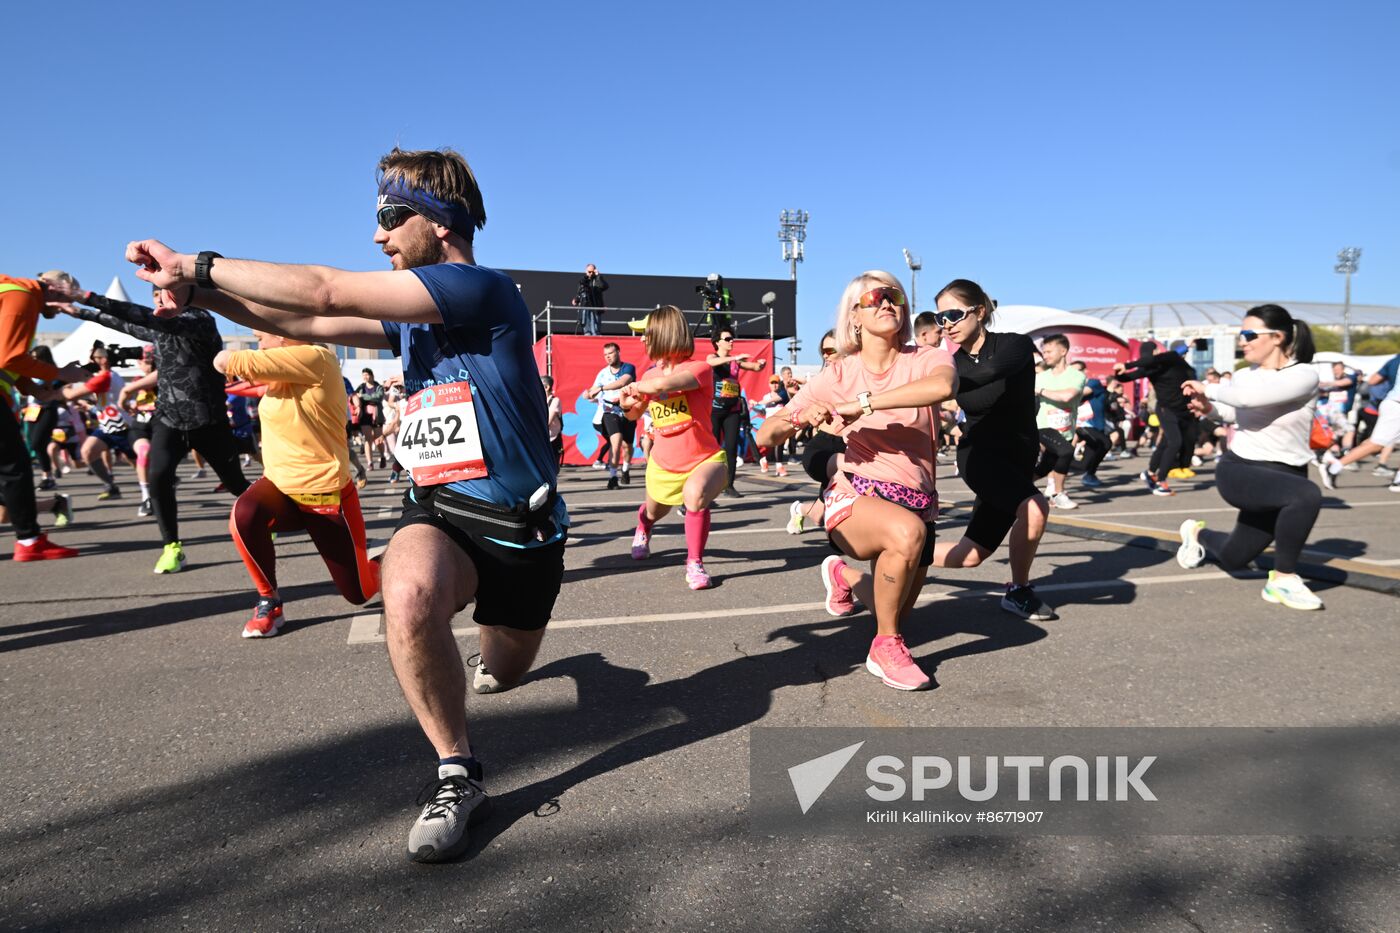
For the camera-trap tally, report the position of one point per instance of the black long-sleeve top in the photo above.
(189, 390)
(996, 391)
(1166, 371)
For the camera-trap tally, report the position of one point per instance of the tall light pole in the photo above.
(1347, 261)
(915, 264)
(792, 231)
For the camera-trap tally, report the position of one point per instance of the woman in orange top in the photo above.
(306, 474)
(686, 464)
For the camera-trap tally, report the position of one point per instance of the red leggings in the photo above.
(339, 534)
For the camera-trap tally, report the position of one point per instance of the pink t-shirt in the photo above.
(894, 445)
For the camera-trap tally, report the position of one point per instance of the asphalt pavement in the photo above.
(162, 773)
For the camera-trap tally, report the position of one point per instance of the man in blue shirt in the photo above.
(482, 521)
(1386, 432)
(617, 427)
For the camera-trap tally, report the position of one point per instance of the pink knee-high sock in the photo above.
(643, 522)
(697, 532)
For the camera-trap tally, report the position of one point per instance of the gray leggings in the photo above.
(1278, 503)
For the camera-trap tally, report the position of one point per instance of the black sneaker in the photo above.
(1022, 601)
(111, 492)
(627, 477)
(729, 492)
(612, 481)
(146, 510)
(46, 484)
(451, 805)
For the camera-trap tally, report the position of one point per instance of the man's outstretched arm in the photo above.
(308, 290)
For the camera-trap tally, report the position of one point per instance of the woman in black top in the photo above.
(999, 447)
(730, 412)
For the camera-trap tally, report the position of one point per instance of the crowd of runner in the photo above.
(898, 400)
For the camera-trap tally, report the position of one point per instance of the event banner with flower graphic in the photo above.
(574, 363)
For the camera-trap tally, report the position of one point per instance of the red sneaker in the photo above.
(266, 620)
(839, 600)
(43, 549)
(890, 661)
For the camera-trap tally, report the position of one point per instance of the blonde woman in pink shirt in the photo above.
(882, 504)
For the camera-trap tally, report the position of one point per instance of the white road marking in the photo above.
(368, 628)
(1082, 513)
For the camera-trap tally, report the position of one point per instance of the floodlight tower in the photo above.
(1347, 261)
(792, 231)
(915, 264)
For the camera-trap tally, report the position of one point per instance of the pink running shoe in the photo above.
(839, 600)
(641, 545)
(890, 661)
(695, 575)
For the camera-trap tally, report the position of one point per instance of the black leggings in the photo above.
(1178, 442)
(169, 446)
(1278, 503)
(1057, 456)
(729, 431)
(16, 477)
(41, 432)
(1096, 444)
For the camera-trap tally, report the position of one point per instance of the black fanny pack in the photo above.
(516, 525)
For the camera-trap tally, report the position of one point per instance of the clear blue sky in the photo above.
(1069, 154)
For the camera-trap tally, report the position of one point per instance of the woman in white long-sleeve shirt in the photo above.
(1265, 472)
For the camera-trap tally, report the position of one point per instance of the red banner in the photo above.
(574, 363)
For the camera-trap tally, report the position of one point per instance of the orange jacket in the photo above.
(20, 305)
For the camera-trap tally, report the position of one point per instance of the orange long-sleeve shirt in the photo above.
(20, 306)
(302, 414)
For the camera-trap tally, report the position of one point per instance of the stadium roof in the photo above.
(1207, 314)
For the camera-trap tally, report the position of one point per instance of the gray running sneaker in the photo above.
(483, 681)
(451, 804)
(1022, 601)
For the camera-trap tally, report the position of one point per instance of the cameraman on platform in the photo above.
(590, 299)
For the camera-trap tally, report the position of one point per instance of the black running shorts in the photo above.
(1000, 477)
(516, 587)
(618, 424)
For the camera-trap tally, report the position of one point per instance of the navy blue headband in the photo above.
(454, 217)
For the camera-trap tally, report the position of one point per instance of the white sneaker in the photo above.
(1324, 469)
(1290, 590)
(1062, 501)
(796, 516)
(1382, 470)
(1393, 487)
(598, 465)
(1196, 461)
(1190, 555)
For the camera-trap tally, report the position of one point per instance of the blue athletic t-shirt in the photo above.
(486, 338)
(1098, 396)
(1388, 373)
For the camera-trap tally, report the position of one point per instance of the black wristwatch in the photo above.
(202, 265)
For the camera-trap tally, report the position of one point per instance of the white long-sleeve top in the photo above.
(1272, 410)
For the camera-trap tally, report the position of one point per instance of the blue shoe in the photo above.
(1090, 481)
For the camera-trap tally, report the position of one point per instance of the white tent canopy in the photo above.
(77, 346)
(1025, 319)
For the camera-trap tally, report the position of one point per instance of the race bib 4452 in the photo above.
(438, 437)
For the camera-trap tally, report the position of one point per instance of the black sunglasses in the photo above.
(951, 316)
(391, 215)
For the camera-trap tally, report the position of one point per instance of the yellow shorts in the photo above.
(668, 488)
